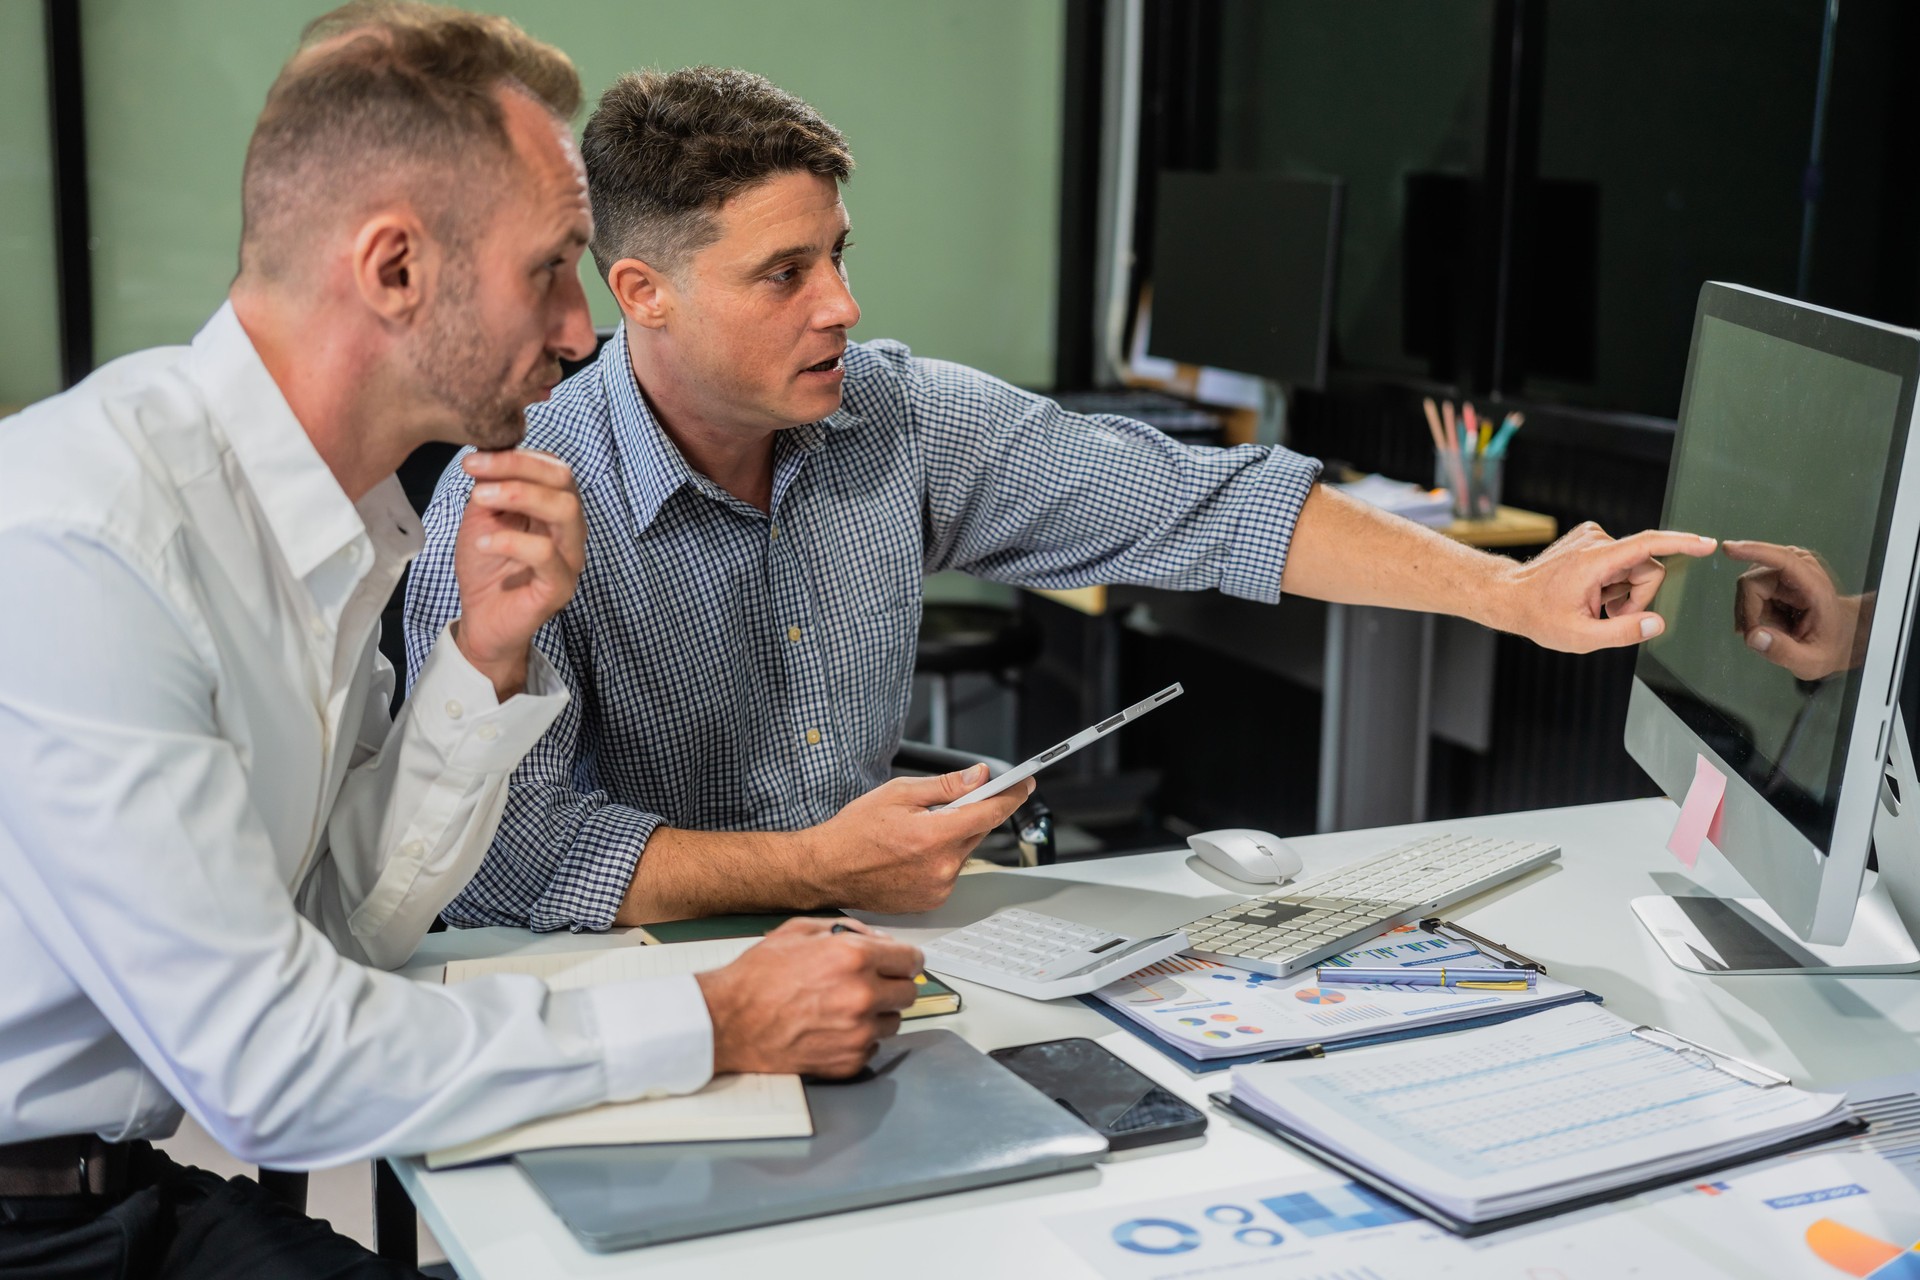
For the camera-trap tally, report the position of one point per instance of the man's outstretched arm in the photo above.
(1587, 591)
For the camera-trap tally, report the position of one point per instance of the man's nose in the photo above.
(837, 309)
(573, 337)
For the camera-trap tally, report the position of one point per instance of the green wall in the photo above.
(952, 108)
(29, 327)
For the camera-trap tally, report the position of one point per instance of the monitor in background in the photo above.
(1243, 269)
(1781, 657)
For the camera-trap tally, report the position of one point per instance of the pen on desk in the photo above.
(1477, 977)
(1295, 1055)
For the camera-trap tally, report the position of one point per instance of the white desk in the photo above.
(1573, 917)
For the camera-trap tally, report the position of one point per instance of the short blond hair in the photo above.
(386, 97)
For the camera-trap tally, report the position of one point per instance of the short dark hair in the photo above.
(665, 149)
(384, 94)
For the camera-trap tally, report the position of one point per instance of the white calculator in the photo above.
(1044, 956)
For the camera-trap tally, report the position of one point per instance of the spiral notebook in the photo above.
(1569, 1107)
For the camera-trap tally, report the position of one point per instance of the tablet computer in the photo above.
(1061, 750)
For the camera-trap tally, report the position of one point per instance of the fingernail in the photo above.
(1705, 541)
(977, 772)
(1649, 627)
(1760, 641)
(484, 541)
(486, 492)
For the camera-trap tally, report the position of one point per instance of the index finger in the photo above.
(1767, 553)
(535, 465)
(1632, 549)
(891, 957)
(984, 815)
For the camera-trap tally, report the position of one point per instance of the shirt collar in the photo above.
(655, 467)
(304, 507)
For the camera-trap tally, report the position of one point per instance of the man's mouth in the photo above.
(828, 365)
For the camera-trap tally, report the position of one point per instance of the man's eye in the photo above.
(783, 277)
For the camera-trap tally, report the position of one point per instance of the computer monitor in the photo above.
(1781, 658)
(1243, 270)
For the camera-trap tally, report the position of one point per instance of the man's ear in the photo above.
(645, 293)
(393, 265)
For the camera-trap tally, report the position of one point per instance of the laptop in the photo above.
(935, 1115)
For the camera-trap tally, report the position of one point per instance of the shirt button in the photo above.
(775, 532)
(487, 732)
(793, 634)
(454, 709)
(354, 553)
(319, 628)
(813, 737)
(414, 849)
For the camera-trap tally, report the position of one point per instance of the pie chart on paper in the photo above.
(1318, 995)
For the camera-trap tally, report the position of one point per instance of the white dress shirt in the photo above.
(209, 827)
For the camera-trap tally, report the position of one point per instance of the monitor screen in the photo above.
(1243, 273)
(1784, 453)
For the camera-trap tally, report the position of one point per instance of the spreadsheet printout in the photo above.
(1563, 1099)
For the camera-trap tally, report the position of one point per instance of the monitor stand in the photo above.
(1744, 935)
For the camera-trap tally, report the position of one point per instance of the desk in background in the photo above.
(1389, 680)
(1572, 916)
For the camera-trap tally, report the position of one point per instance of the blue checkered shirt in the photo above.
(733, 670)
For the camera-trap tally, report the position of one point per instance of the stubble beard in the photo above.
(454, 363)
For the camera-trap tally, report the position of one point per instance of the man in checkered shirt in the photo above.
(764, 497)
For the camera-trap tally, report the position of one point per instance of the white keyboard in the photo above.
(1283, 933)
(1042, 956)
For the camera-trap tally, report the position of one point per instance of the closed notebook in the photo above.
(731, 1107)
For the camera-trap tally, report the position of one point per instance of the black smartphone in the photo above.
(1124, 1106)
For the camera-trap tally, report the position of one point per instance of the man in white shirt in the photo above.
(211, 838)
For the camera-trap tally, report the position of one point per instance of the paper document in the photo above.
(732, 1106)
(1423, 506)
(1209, 1010)
(1531, 1113)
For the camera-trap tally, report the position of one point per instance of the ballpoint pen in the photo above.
(1474, 977)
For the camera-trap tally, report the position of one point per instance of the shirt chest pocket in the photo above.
(872, 664)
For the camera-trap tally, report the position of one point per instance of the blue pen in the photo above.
(1439, 976)
(1498, 447)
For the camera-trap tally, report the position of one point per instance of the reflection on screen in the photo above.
(1782, 454)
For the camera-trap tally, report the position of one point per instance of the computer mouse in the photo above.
(1248, 855)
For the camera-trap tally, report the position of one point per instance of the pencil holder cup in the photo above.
(1473, 480)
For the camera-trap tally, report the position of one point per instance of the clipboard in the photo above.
(1846, 1127)
(1204, 1066)
(1500, 953)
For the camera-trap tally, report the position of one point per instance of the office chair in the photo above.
(959, 638)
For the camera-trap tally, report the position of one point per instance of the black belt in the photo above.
(70, 1165)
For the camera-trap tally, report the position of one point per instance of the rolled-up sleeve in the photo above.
(1021, 491)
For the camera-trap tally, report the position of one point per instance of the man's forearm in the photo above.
(685, 874)
(1347, 552)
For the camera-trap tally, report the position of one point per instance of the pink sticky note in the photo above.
(1700, 813)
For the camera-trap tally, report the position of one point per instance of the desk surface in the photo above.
(1571, 916)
